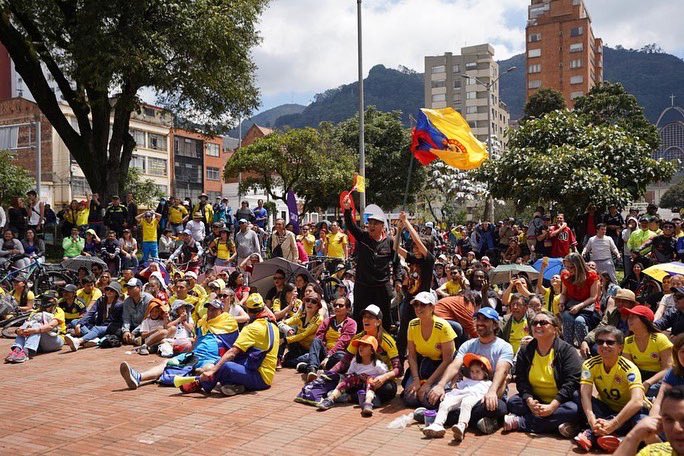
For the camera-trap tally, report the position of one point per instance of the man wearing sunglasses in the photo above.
(674, 316)
(620, 401)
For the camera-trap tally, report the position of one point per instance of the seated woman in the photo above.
(580, 289)
(299, 332)
(129, 249)
(667, 301)
(634, 279)
(227, 296)
(552, 294)
(103, 318)
(287, 304)
(547, 379)
(21, 293)
(236, 282)
(92, 244)
(674, 375)
(647, 347)
(34, 247)
(43, 331)
(431, 348)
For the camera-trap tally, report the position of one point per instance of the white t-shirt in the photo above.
(477, 388)
(368, 369)
(149, 325)
(182, 332)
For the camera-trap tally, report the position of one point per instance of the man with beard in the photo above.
(483, 295)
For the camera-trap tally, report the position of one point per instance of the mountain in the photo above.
(267, 118)
(650, 76)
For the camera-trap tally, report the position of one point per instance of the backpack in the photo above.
(253, 357)
(110, 341)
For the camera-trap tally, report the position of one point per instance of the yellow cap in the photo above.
(254, 302)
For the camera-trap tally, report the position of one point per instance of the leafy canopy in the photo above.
(543, 102)
(14, 179)
(674, 196)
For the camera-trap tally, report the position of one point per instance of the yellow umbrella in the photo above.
(659, 271)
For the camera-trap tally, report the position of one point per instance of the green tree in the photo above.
(311, 162)
(563, 158)
(387, 157)
(194, 53)
(543, 102)
(14, 179)
(146, 192)
(674, 196)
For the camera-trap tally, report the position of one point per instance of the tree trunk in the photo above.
(437, 219)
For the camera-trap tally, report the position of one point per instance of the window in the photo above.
(470, 81)
(156, 166)
(157, 142)
(438, 84)
(576, 63)
(534, 37)
(471, 95)
(471, 66)
(534, 53)
(138, 161)
(457, 83)
(534, 84)
(79, 186)
(536, 68)
(213, 150)
(438, 97)
(213, 174)
(438, 69)
(576, 31)
(576, 47)
(577, 94)
(457, 98)
(471, 109)
(576, 79)
(148, 111)
(457, 68)
(187, 147)
(138, 137)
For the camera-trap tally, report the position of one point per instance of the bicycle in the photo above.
(43, 277)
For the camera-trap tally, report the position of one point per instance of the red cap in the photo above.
(642, 311)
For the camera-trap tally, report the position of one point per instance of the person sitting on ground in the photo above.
(667, 301)
(181, 330)
(73, 245)
(104, 318)
(299, 332)
(547, 379)
(364, 367)
(167, 244)
(153, 327)
(674, 317)
(287, 304)
(43, 331)
(74, 307)
(34, 247)
(92, 244)
(88, 293)
(463, 397)
(620, 401)
(580, 289)
(237, 283)
(134, 310)
(647, 347)
(515, 327)
(491, 409)
(613, 316)
(332, 338)
(22, 295)
(552, 294)
(227, 297)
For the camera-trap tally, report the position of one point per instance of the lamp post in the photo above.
(362, 151)
(488, 86)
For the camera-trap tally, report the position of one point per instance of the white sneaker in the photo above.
(459, 431)
(72, 342)
(434, 431)
(232, 390)
(91, 343)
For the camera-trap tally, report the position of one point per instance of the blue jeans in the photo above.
(317, 353)
(601, 410)
(461, 335)
(150, 249)
(576, 327)
(93, 333)
(232, 373)
(44, 343)
(567, 412)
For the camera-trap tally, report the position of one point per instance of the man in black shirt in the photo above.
(421, 263)
(614, 224)
(665, 245)
(116, 216)
(374, 256)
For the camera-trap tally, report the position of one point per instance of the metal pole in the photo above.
(362, 133)
(240, 173)
(38, 158)
(490, 200)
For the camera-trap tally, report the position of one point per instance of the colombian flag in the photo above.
(443, 134)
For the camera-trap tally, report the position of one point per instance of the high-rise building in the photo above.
(562, 52)
(460, 82)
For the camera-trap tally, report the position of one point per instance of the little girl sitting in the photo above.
(181, 330)
(363, 367)
(153, 328)
(467, 393)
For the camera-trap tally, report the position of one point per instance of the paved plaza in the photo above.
(76, 403)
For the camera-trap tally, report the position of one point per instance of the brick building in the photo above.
(198, 162)
(562, 52)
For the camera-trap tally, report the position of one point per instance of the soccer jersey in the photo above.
(336, 243)
(176, 214)
(89, 297)
(442, 333)
(386, 350)
(614, 387)
(453, 288)
(305, 332)
(541, 377)
(519, 329)
(649, 359)
(256, 335)
(657, 449)
(149, 230)
(332, 334)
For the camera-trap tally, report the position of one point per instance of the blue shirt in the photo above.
(258, 214)
(498, 350)
(673, 379)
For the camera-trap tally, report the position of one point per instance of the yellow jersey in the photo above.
(541, 377)
(149, 229)
(452, 287)
(519, 329)
(176, 214)
(657, 449)
(442, 333)
(386, 350)
(308, 241)
(89, 298)
(614, 387)
(256, 335)
(648, 360)
(336, 243)
(305, 332)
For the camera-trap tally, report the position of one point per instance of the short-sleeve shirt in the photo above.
(614, 387)
(519, 329)
(149, 229)
(256, 335)
(648, 360)
(498, 350)
(442, 333)
(420, 273)
(581, 291)
(386, 350)
(176, 214)
(453, 288)
(657, 449)
(336, 243)
(541, 377)
(89, 298)
(672, 379)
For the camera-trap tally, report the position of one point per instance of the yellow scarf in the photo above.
(225, 323)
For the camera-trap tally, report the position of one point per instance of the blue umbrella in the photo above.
(554, 267)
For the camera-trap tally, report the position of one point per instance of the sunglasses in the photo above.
(339, 306)
(609, 343)
(223, 295)
(312, 300)
(541, 323)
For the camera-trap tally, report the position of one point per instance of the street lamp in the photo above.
(488, 86)
(362, 151)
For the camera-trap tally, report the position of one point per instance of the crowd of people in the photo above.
(416, 315)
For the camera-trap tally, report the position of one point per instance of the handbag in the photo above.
(277, 251)
(253, 357)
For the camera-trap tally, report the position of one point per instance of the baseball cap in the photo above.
(625, 294)
(339, 267)
(426, 297)
(678, 290)
(114, 286)
(429, 225)
(90, 231)
(640, 310)
(254, 302)
(71, 288)
(218, 283)
(242, 220)
(368, 340)
(470, 357)
(203, 195)
(215, 303)
(191, 274)
(485, 260)
(188, 232)
(134, 283)
(489, 313)
(373, 310)
(197, 215)
(643, 220)
(546, 217)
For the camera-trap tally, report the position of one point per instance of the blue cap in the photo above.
(488, 312)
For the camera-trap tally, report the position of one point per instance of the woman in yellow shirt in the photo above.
(299, 332)
(552, 294)
(222, 248)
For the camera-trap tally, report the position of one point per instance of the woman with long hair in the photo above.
(129, 248)
(222, 248)
(579, 291)
(236, 282)
(34, 247)
(635, 278)
(608, 290)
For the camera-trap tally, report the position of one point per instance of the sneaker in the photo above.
(21, 357)
(144, 350)
(72, 342)
(12, 355)
(311, 376)
(137, 341)
(511, 423)
(325, 403)
(193, 387)
(568, 430)
(279, 365)
(608, 443)
(302, 367)
(367, 410)
(419, 414)
(91, 343)
(434, 431)
(487, 425)
(583, 440)
(459, 431)
(232, 390)
(130, 375)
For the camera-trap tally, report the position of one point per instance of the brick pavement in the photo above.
(77, 403)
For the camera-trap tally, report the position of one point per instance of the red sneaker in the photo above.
(193, 387)
(609, 443)
(21, 357)
(583, 440)
(12, 355)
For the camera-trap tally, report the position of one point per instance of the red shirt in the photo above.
(455, 308)
(591, 226)
(561, 242)
(581, 291)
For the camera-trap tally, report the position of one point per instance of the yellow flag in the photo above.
(359, 183)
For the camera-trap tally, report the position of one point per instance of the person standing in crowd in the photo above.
(336, 244)
(601, 249)
(177, 215)
(664, 246)
(482, 238)
(149, 221)
(307, 239)
(640, 237)
(246, 242)
(244, 212)
(283, 242)
(95, 215)
(614, 223)
(261, 215)
(626, 250)
(562, 238)
(534, 226)
(196, 227)
(205, 209)
(36, 210)
(116, 216)
(17, 218)
(587, 225)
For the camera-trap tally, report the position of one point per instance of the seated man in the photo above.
(674, 316)
(88, 293)
(74, 308)
(620, 401)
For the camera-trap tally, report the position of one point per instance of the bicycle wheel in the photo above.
(329, 286)
(50, 280)
(9, 330)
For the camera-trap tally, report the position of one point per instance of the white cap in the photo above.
(429, 225)
(191, 274)
(426, 297)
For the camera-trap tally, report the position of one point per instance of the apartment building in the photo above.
(198, 164)
(461, 81)
(562, 51)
